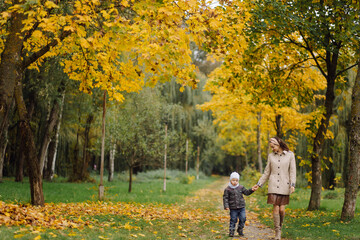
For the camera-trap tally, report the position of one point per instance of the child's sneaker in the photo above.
(231, 233)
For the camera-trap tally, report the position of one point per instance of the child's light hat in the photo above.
(234, 175)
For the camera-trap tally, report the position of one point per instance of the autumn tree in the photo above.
(259, 76)
(139, 131)
(325, 30)
(109, 45)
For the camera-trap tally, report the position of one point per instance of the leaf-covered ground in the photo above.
(200, 217)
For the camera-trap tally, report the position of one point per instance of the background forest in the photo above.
(139, 123)
(201, 85)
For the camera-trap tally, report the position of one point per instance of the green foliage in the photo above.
(250, 176)
(331, 195)
(187, 179)
(171, 174)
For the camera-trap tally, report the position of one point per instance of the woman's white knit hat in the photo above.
(234, 175)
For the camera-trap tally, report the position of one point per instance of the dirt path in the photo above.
(211, 198)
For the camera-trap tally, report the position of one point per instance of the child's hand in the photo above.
(255, 187)
(227, 208)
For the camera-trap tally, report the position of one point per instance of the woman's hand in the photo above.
(255, 187)
(292, 189)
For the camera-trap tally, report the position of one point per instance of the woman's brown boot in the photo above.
(281, 220)
(277, 226)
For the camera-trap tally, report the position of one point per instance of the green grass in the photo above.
(144, 190)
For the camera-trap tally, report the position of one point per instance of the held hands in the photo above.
(256, 187)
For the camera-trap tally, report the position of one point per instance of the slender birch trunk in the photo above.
(198, 162)
(165, 156)
(111, 161)
(49, 129)
(52, 157)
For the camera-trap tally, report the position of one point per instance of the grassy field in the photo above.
(142, 192)
(165, 214)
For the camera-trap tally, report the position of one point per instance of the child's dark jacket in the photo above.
(233, 197)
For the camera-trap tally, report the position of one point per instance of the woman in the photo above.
(281, 173)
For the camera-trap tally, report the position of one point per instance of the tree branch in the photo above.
(308, 48)
(35, 56)
(346, 69)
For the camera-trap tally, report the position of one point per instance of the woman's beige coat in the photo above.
(281, 173)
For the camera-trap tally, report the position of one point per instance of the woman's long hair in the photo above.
(282, 144)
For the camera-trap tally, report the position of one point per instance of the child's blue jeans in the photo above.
(236, 214)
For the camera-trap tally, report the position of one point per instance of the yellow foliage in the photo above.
(107, 49)
(257, 81)
(78, 215)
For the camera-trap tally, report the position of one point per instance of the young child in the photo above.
(233, 199)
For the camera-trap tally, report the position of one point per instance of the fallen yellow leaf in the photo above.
(18, 235)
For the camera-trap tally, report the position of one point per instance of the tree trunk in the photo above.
(10, 66)
(279, 132)
(48, 173)
(20, 160)
(53, 151)
(86, 158)
(165, 156)
(101, 186)
(111, 162)
(131, 169)
(198, 162)
(49, 129)
(246, 159)
(237, 164)
(329, 181)
(19, 172)
(28, 145)
(2, 153)
(3, 144)
(259, 143)
(314, 203)
(75, 161)
(352, 185)
(186, 156)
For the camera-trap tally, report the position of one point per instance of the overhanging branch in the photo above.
(35, 56)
